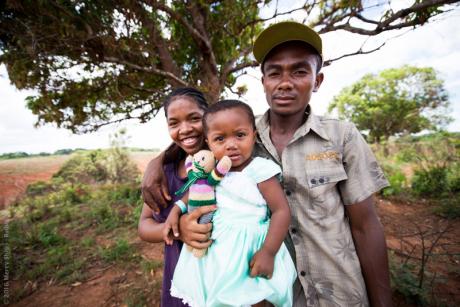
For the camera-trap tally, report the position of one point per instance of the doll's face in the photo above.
(205, 159)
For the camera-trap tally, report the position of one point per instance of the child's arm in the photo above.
(221, 169)
(263, 261)
(171, 225)
(149, 230)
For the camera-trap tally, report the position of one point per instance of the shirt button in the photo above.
(313, 181)
(288, 193)
(302, 273)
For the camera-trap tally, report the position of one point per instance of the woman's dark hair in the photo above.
(227, 105)
(189, 92)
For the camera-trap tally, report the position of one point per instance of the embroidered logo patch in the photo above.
(327, 155)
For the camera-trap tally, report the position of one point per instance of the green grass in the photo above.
(149, 266)
(46, 232)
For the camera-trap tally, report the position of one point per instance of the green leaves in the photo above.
(394, 102)
(95, 62)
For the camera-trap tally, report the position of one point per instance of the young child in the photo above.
(184, 109)
(247, 263)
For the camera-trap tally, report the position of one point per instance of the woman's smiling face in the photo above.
(185, 124)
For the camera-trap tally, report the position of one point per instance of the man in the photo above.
(329, 177)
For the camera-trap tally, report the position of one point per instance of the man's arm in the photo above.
(154, 184)
(367, 232)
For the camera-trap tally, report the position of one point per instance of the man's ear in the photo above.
(318, 81)
(262, 80)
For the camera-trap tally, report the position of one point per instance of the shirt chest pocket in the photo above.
(323, 177)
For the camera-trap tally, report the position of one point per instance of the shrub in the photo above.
(405, 281)
(453, 177)
(448, 207)
(39, 188)
(97, 166)
(430, 182)
(396, 178)
(48, 236)
(85, 167)
(397, 183)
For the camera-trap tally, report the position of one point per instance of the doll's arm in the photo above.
(188, 163)
(220, 171)
(263, 261)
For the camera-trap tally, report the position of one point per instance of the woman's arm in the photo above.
(149, 230)
(262, 262)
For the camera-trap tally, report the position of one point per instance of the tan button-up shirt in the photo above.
(327, 165)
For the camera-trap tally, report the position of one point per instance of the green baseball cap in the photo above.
(283, 32)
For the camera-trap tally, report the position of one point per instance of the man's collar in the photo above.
(312, 123)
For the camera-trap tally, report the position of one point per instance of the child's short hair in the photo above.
(227, 105)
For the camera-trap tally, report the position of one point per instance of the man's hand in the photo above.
(194, 234)
(262, 264)
(154, 185)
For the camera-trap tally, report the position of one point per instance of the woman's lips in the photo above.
(190, 141)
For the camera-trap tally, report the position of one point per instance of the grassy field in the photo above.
(16, 174)
(72, 244)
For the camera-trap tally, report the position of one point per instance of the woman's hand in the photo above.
(194, 234)
(171, 226)
(262, 264)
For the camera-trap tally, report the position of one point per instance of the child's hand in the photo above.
(171, 226)
(262, 264)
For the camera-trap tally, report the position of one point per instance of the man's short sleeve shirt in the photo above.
(326, 166)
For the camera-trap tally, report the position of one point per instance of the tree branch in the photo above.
(360, 51)
(305, 7)
(386, 25)
(146, 69)
(197, 36)
(167, 62)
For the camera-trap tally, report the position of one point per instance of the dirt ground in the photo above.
(406, 225)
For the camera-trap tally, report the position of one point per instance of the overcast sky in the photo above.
(436, 44)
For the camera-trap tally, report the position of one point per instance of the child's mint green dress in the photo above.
(240, 224)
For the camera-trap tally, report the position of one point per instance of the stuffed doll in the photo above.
(203, 175)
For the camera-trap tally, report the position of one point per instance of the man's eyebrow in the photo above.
(301, 63)
(272, 66)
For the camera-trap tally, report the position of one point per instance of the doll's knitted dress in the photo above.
(240, 224)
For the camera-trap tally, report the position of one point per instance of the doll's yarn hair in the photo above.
(186, 92)
(227, 105)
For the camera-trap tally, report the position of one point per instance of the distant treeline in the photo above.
(429, 137)
(66, 151)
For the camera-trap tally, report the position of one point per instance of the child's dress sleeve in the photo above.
(262, 169)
